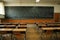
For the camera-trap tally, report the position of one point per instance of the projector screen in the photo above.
(28, 12)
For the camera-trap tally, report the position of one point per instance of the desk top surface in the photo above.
(5, 29)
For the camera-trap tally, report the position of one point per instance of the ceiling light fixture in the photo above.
(37, 0)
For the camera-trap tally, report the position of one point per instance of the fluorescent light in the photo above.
(37, 0)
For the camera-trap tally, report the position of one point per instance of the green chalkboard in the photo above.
(28, 12)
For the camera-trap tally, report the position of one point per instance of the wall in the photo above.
(56, 7)
(56, 11)
(2, 12)
(2, 8)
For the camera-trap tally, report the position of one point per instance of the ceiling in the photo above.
(32, 1)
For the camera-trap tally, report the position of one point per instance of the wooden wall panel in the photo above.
(57, 17)
(0, 20)
(28, 21)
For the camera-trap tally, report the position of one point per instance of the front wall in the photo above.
(56, 19)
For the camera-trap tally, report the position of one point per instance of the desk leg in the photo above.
(25, 36)
(0, 36)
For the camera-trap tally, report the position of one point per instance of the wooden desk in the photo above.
(51, 28)
(5, 29)
(19, 30)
